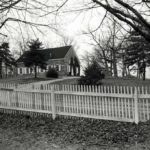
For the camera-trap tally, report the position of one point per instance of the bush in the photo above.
(93, 75)
(52, 73)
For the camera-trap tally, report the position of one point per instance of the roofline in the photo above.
(69, 50)
(50, 59)
(57, 47)
(49, 49)
(56, 59)
(74, 53)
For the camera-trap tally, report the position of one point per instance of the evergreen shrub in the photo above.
(92, 75)
(52, 73)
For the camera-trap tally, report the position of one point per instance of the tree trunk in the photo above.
(114, 51)
(111, 65)
(1, 69)
(114, 64)
(138, 70)
(78, 70)
(128, 71)
(6, 70)
(123, 71)
(105, 60)
(123, 67)
(35, 71)
(144, 71)
(138, 73)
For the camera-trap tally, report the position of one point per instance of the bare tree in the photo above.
(101, 50)
(133, 13)
(24, 12)
(87, 59)
(108, 47)
(128, 11)
(67, 40)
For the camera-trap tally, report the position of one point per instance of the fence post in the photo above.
(53, 102)
(16, 85)
(136, 119)
(42, 97)
(32, 86)
(16, 94)
(33, 100)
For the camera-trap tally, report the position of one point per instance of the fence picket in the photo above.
(106, 102)
(136, 105)
(147, 109)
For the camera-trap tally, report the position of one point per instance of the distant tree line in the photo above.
(6, 59)
(127, 53)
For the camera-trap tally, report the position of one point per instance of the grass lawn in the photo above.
(113, 81)
(24, 80)
(126, 82)
(19, 132)
(67, 81)
(106, 81)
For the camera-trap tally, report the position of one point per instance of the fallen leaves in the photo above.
(64, 131)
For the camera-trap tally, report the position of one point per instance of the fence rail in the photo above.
(130, 104)
(13, 85)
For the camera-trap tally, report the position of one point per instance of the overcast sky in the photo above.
(69, 24)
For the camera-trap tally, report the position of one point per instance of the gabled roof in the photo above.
(51, 53)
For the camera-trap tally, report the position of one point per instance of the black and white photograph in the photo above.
(74, 74)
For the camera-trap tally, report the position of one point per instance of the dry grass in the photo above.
(126, 82)
(24, 80)
(67, 81)
(106, 81)
(114, 81)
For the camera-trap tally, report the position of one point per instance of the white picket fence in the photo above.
(130, 104)
(12, 85)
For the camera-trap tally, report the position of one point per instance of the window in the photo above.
(57, 67)
(62, 67)
(49, 67)
(50, 55)
(37, 69)
(31, 70)
(20, 70)
(27, 70)
(68, 68)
